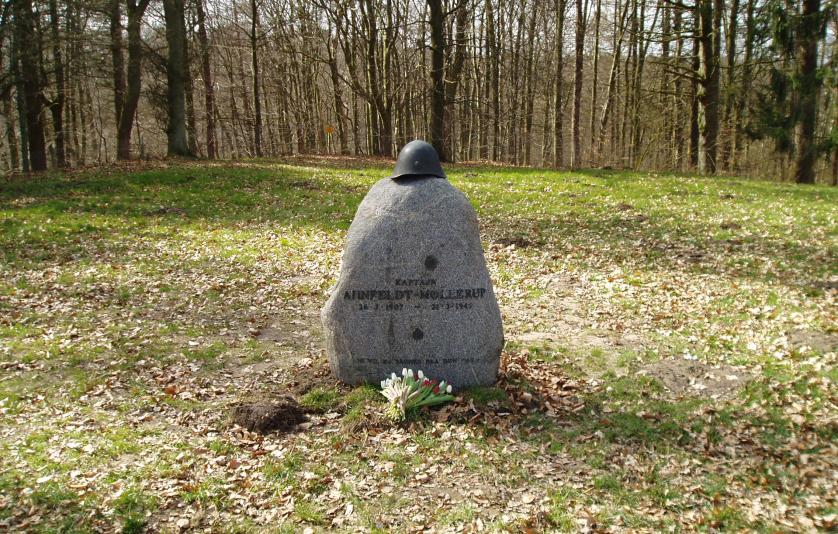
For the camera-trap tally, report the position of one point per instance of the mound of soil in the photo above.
(280, 415)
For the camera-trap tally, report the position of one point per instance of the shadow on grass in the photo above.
(537, 403)
(215, 194)
(723, 226)
(68, 218)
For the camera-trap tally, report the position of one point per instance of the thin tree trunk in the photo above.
(740, 111)
(257, 104)
(117, 58)
(557, 86)
(134, 79)
(730, 82)
(57, 105)
(694, 128)
(191, 128)
(576, 151)
(628, 96)
(11, 137)
(709, 39)
(642, 50)
(594, 82)
(530, 102)
(664, 149)
(808, 83)
(611, 88)
(678, 115)
(9, 116)
(338, 96)
(209, 90)
(494, 78)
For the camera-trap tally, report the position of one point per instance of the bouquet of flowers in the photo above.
(411, 391)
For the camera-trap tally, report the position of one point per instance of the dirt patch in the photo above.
(317, 374)
(280, 415)
(299, 331)
(596, 352)
(818, 341)
(689, 377)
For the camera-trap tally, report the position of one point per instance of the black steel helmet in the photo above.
(418, 158)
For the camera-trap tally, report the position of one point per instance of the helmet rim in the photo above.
(418, 158)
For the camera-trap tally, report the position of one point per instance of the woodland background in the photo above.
(736, 86)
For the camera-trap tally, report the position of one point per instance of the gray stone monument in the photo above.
(414, 290)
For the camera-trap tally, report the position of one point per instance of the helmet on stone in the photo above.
(418, 158)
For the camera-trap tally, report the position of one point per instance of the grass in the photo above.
(129, 297)
(321, 399)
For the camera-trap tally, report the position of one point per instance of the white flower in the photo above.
(406, 393)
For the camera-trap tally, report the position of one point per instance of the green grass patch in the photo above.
(321, 400)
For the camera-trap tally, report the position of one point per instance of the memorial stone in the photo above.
(414, 291)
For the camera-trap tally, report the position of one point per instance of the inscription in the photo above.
(417, 361)
(421, 294)
(415, 281)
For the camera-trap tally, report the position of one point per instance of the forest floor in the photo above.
(670, 360)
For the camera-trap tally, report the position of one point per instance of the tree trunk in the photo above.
(557, 89)
(530, 100)
(117, 58)
(453, 74)
(57, 105)
(11, 137)
(594, 88)
(637, 84)
(807, 96)
(677, 102)
(257, 104)
(189, 95)
(338, 96)
(494, 78)
(664, 149)
(125, 121)
(611, 88)
(709, 39)
(576, 152)
(9, 116)
(176, 92)
(740, 110)
(31, 83)
(209, 90)
(730, 78)
(437, 22)
(694, 128)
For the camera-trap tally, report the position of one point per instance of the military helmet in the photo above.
(418, 158)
